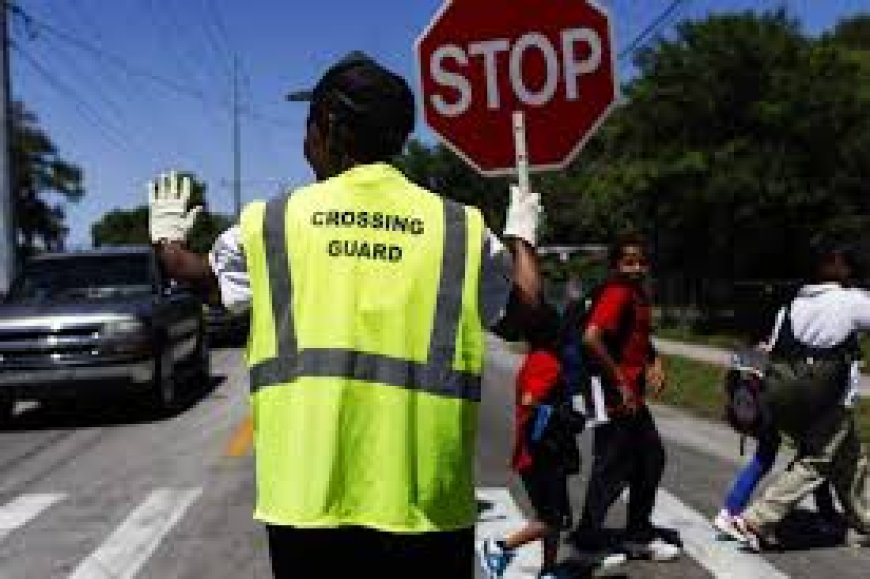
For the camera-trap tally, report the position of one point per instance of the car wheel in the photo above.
(163, 395)
(202, 360)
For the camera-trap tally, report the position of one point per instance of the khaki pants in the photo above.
(833, 451)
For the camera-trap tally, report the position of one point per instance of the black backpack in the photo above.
(788, 387)
(585, 366)
(556, 444)
(744, 389)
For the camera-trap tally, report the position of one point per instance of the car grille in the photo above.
(21, 348)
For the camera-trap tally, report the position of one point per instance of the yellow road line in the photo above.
(242, 439)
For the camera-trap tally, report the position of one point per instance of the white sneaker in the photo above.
(608, 563)
(654, 550)
(493, 558)
(660, 550)
(725, 527)
(855, 538)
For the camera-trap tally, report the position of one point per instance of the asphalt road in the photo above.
(102, 490)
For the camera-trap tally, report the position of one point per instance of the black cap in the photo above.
(365, 96)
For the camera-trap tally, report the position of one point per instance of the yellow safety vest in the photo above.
(365, 354)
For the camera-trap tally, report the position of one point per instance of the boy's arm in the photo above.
(593, 340)
(656, 376)
(528, 399)
(539, 376)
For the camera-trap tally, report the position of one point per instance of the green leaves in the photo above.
(740, 139)
(39, 173)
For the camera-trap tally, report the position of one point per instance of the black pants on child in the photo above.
(358, 551)
(627, 451)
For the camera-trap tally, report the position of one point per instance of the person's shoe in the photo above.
(725, 527)
(855, 538)
(604, 564)
(655, 549)
(750, 539)
(494, 558)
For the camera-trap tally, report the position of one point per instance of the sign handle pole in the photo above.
(522, 156)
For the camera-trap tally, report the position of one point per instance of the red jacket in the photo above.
(538, 376)
(624, 315)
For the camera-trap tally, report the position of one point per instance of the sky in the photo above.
(129, 88)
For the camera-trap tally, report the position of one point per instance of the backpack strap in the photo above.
(787, 346)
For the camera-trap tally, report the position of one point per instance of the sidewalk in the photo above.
(719, 356)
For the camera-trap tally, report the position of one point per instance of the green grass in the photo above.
(694, 386)
(684, 334)
(699, 388)
(731, 341)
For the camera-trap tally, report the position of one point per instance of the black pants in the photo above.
(627, 451)
(361, 552)
(546, 485)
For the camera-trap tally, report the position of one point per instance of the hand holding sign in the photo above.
(523, 215)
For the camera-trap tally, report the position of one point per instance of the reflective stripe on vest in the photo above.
(436, 376)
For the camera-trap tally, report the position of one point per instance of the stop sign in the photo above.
(479, 62)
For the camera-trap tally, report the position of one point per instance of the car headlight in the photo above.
(123, 327)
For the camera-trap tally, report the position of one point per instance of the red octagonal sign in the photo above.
(479, 61)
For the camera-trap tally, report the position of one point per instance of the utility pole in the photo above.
(237, 154)
(7, 222)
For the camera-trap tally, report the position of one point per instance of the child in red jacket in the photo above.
(545, 451)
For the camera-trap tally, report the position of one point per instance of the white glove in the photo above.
(168, 216)
(523, 216)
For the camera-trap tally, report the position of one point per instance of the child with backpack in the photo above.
(545, 451)
(807, 393)
(627, 447)
(744, 389)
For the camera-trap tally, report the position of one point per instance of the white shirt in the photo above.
(227, 260)
(824, 315)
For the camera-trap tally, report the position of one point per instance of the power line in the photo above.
(650, 29)
(217, 36)
(181, 58)
(220, 68)
(68, 63)
(112, 58)
(133, 70)
(215, 12)
(87, 112)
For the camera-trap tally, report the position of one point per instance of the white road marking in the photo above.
(502, 518)
(19, 512)
(136, 539)
(721, 558)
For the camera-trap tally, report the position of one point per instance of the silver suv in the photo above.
(78, 323)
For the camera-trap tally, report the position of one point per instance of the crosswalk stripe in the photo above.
(721, 558)
(18, 512)
(502, 517)
(136, 539)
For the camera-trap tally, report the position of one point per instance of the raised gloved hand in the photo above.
(168, 216)
(523, 216)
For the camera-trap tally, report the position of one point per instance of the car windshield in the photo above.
(77, 278)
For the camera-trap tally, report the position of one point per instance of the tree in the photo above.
(740, 139)
(42, 180)
(438, 169)
(130, 227)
